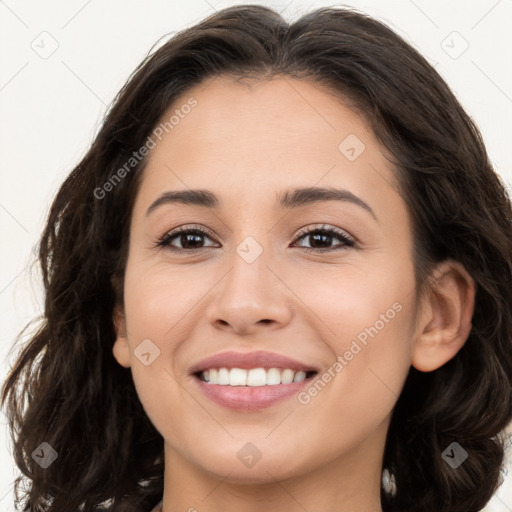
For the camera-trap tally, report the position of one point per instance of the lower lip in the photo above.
(248, 398)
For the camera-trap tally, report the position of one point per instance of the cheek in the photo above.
(356, 301)
(358, 391)
(365, 318)
(158, 298)
(158, 303)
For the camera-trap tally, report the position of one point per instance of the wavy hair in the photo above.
(65, 387)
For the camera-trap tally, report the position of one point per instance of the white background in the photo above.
(51, 108)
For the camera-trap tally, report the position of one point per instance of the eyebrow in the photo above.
(288, 199)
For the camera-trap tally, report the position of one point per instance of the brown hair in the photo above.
(67, 389)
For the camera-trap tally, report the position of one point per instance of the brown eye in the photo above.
(189, 239)
(321, 239)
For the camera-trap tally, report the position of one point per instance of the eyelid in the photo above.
(308, 229)
(160, 241)
(192, 227)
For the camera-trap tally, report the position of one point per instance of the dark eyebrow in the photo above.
(288, 200)
(203, 198)
(303, 196)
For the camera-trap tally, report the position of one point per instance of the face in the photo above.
(260, 273)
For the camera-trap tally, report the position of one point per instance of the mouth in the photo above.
(246, 391)
(253, 377)
(249, 381)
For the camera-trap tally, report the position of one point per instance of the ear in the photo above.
(121, 348)
(445, 319)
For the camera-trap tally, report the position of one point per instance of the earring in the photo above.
(388, 482)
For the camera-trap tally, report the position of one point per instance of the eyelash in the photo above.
(165, 240)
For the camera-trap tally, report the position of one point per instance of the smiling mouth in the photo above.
(254, 377)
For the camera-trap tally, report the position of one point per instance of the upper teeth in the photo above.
(253, 377)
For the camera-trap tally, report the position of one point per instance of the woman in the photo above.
(280, 278)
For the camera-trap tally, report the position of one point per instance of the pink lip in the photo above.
(248, 360)
(248, 398)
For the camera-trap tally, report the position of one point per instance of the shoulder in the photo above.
(158, 508)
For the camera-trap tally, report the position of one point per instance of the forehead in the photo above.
(256, 110)
(261, 135)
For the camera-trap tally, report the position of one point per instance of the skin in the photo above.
(246, 142)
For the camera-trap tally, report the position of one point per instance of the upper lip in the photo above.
(248, 360)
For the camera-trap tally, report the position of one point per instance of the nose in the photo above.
(251, 297)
